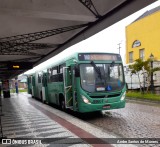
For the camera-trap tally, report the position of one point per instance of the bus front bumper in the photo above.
(98, 107)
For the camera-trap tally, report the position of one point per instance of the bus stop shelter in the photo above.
(33, 31)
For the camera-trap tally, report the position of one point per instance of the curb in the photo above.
(141, 100)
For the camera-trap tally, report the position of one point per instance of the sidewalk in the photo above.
(27, 119)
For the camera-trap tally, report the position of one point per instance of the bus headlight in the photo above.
(85, 100)
(123, 96)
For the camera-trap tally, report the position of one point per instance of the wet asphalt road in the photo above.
(136, 120)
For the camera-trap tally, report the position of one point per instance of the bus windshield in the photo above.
(102, 77)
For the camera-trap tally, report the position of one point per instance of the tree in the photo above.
(149, 70)
(142, 67)
(136, 68)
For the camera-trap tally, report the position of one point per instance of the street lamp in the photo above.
(131, 80)
(152, 82)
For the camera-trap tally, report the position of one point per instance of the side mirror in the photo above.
(77, 70)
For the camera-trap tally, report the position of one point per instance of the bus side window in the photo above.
(61, 68)
(29, 79)
(49, 75)
(39, 77)
(60, 77)
(54, 76)
(33, 80)
(44, 80)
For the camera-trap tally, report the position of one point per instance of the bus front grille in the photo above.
(97, 101)
(98, 96)
(106, 96)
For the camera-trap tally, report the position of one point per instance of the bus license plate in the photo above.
(106, 106)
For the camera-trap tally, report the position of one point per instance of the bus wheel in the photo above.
(62, 103)
(63, 107)
(41, 97)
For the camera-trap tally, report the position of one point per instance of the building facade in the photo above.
(142, 40)
(143, 37)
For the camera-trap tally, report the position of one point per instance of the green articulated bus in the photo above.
(83, 82)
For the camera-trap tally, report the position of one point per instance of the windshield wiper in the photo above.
(96, 69)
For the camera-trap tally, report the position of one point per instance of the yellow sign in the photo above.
(15, 66)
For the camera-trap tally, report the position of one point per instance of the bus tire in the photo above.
(41, 97)
(43, 101)
(62, 102)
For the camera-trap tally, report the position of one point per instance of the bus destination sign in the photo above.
(98, 56)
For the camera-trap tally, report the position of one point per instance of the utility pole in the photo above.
(152, 82)
(119, 46)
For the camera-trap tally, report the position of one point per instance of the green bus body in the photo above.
(29, 83)
(84, 82)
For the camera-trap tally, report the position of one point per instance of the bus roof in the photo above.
(84, 56)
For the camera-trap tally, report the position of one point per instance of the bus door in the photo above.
(68, 86)
(44, 88)
(33, 86)
(29, 84)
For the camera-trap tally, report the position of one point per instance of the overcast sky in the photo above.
(104, 41)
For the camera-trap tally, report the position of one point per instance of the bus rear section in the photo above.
(31, 84)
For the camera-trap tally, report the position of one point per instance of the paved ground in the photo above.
(137, 120)
(21, 120)
(26, 117)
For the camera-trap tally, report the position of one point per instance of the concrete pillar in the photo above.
(5, 88)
